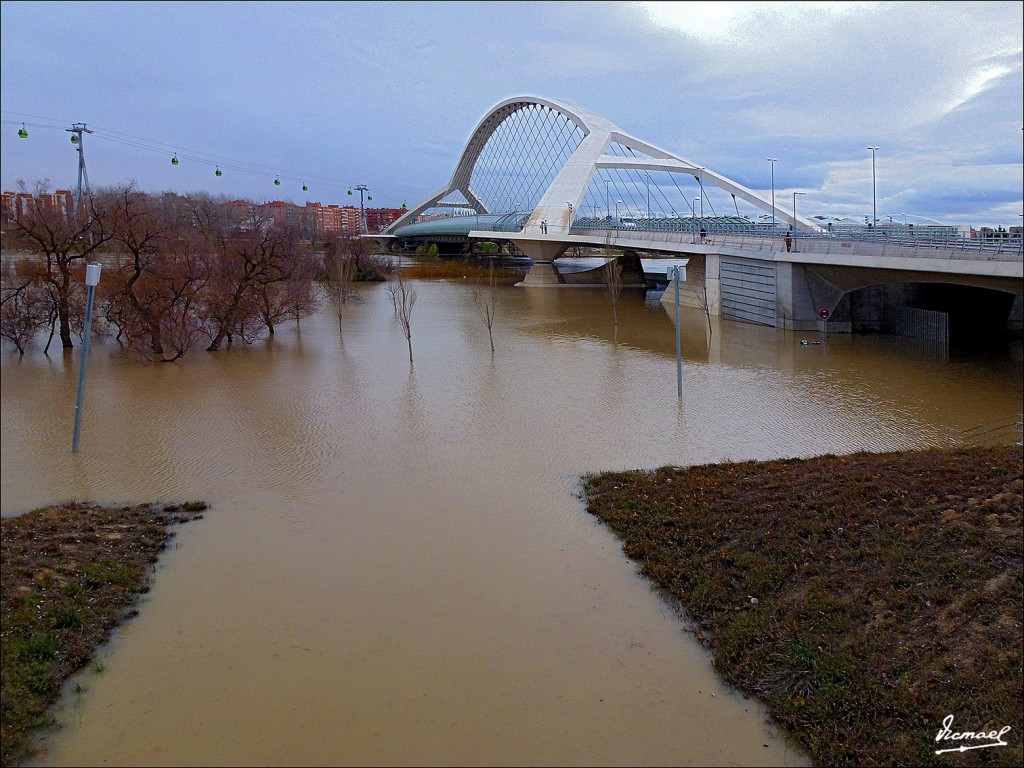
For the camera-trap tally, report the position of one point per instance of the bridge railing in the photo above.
(870, 243)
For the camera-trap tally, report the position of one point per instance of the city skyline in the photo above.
(386, 94)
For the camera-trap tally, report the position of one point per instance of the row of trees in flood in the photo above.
(177, 271)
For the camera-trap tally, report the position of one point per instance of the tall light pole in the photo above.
(76, 130)
(695, 200)
(773, 160)
(648, 180)
(794, 217)
(618, 218)
(874, 210)
(701, 183)
(92, 279)
(570, 215)
(607, 199)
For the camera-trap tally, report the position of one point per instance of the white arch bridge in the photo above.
(545, 175)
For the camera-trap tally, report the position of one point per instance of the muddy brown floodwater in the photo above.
(396, 567)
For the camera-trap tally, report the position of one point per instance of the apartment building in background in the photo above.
(313, 217)
(16, 204)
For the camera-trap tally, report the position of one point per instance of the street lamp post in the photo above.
(570, 215)
(618, 219)
(794, 218)
(648, 180)
(773, 160)
(701, 182)
(607, 199)
(92, 279)
(695, 200)
(679, 337)
(874, 209)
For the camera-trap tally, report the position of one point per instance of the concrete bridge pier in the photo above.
(801, 294)
(543, 253)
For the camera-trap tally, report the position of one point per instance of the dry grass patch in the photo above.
(864, 598)
(68, 575)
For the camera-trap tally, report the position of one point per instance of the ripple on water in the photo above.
(407, 543)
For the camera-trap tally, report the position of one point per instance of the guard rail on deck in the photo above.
(995, 432)
(866, 243)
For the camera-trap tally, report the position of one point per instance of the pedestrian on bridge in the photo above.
(703, 234)
(789, 241)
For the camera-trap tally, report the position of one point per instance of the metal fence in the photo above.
(1004, 431)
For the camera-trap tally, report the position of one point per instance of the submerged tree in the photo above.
(484, 300)
(25, 304)
(131, 296)
(339, 272)
(245, 262)
(611, 274)
(64, 239)
(405, 298)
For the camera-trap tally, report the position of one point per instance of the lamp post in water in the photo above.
(677, 274)
(92, 279)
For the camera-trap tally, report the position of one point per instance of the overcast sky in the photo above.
(387, 94)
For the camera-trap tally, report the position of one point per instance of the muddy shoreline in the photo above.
(71, 573)
(864, 598)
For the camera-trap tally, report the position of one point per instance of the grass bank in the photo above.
(864, 598)
(69, 574)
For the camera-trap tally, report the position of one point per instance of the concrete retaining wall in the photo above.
(748, 290)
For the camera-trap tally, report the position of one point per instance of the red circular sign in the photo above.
(824, 314)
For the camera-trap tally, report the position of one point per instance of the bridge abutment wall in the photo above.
(791, 295)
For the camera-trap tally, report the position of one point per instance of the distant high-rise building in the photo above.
(379, 219)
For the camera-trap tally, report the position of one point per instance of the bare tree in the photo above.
(406, 298)
(302, 299)
(485, 302)
(276, 298)
(339, 272)
(392, 287)
(246, 260)
(64, 239)
(611, 274)
(185, 272)
(137, 230)
(25, 305)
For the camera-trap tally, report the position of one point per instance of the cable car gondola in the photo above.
(22, 133)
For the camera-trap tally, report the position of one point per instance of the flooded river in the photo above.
(396, 567)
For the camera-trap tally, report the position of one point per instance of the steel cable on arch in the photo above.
(522, 157)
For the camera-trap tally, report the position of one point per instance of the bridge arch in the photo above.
(516, 134)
